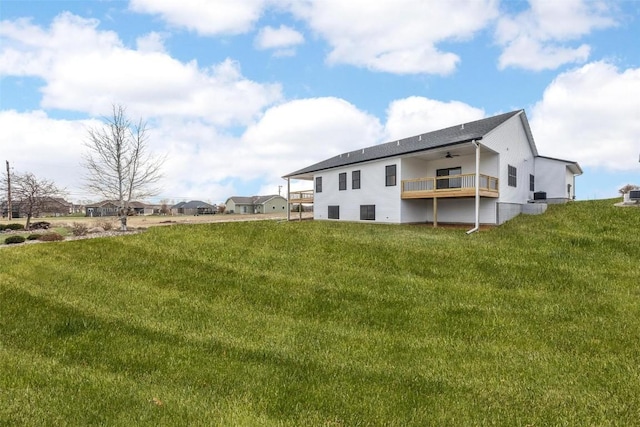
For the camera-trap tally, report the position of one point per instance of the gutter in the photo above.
(477, 227)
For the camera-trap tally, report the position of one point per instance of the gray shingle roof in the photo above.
(426, 141)
(254, 200)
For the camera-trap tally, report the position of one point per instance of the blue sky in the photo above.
(239, 93)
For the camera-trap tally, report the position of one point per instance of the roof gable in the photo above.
(465, 132)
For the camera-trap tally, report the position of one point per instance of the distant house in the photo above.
(46, 206)
(483, 172)
(194, 207)
(256, 204)
(111, 208)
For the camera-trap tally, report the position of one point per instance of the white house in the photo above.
(256, 204)
(482, 172)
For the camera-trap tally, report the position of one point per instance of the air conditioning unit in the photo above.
(634, 195)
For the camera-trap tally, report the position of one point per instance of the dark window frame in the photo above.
(355, 180)
(342, 181)
(532, 182)
(451, 182)
(367, 212)
(318, 184)
(333, 212)
(512, 174)
(390, 175)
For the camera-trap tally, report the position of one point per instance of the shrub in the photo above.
(33, 236)
(51, 237)
(14, 239)
(105, 225)
(14, 226)
(79, 229)
(2, 227)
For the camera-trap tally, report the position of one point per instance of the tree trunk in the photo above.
(122, 213)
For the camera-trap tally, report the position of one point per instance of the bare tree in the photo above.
(165, 208)
(118, 163)
(32, 194)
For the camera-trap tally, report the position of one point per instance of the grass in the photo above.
(323, 323)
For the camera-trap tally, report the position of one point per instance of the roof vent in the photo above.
(363, 151)
(462, 126)
(419, 137)
(398, 143)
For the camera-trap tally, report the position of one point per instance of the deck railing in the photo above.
(450, 184)
(304, 196)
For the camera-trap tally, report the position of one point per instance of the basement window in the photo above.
(368, 212)
(334, 212)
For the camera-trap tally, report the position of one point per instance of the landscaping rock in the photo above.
(95, 230)
(40, 225)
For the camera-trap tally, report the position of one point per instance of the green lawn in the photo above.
(536, 322)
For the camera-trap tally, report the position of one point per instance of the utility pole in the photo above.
(9, 210)
(279, 188)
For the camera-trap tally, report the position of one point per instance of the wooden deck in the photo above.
(449, 186)
(305, 196)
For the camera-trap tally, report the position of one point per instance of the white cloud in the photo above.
(592, 115)
(46, 147)
(301, 132)
(415, 115)
(206, 17)
(397, 37)
(536, 38)
(88, 70)
(152, 42)
(278, 38)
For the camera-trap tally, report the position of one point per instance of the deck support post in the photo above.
(288, 198)
(435, 212)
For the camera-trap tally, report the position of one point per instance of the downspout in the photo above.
(477, 227)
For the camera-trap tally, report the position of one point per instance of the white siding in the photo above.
(552, 177)
(510, 140)
(373, 191)
(463, 211)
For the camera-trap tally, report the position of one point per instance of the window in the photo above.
(532, 183)
(450, 182)
(513, 176)
(342, 181)
(334, 212)
(355, 180)
(390, 175)
(368, 212)
(318, 184)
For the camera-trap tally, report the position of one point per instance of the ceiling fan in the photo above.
(450, 156)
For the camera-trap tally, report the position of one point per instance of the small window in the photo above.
(355, 180)
(342, 181)
(368, 212)
(513, 176)
(532, 183)
(318, 184)
(334, 212)
(390, 175)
